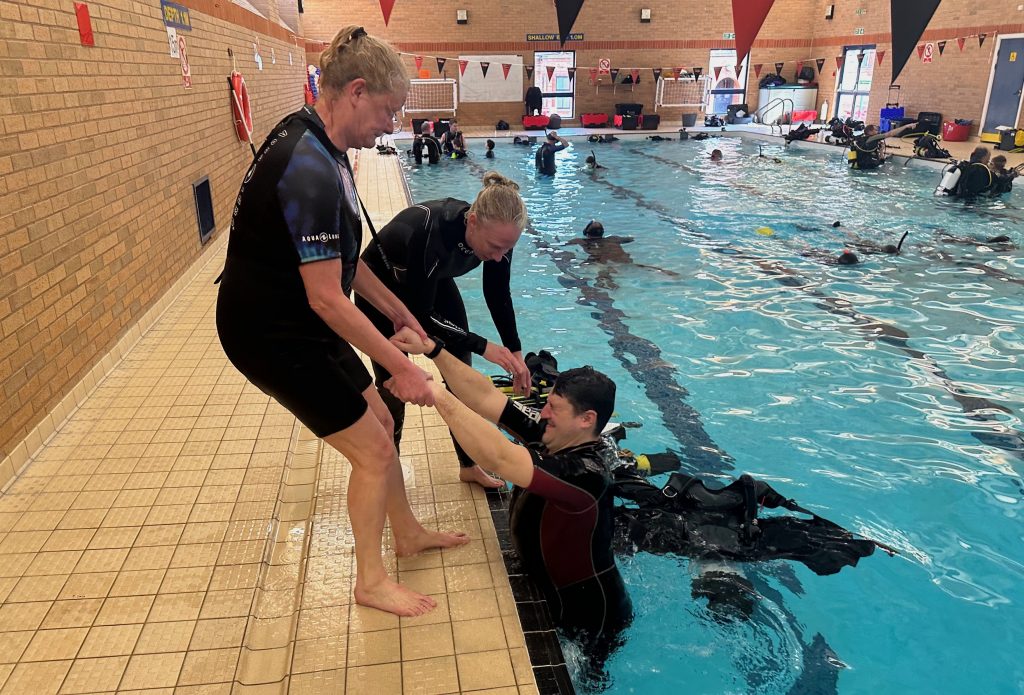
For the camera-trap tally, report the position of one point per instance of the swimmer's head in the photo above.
(552, 136)
(593, 230)
(891, 249)
(591, 160)
(847, 257)
(581, 402)
(837, 223)
(490, 144)
(716, 155)
(871, 130)
(999, 162)
(980, 155)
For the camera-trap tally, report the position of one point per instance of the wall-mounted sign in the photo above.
(175, 15)
(554, 37)
(728, 35)
(859, 31)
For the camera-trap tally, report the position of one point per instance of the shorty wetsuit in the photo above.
(297, 204)
(426, 245)
(562, 528)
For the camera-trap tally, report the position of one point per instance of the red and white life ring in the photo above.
(240, 109)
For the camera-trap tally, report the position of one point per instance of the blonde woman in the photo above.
(283, 315)
(428, 246)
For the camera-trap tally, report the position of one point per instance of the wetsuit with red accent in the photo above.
(562, 528)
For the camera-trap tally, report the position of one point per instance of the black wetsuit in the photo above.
(426, 244)
(431, 144)
(297, 204)
(454, 142)
(545, 157)
(868, 155)
(562, 528)
(976, 178)
(1002, 183)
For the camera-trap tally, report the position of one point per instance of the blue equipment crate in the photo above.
(889, 118)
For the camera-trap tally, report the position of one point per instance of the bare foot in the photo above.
(478, 475)
(425, 540)
(392, 597)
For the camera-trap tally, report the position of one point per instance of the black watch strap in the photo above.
(438, 347)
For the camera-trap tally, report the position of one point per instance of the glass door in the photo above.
(557, 91)
(855, 82)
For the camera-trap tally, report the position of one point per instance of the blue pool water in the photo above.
(885, 396)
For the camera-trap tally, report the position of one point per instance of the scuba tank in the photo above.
(950, 177)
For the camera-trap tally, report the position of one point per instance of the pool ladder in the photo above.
(758, 116)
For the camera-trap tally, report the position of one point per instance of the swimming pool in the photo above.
(885, 396)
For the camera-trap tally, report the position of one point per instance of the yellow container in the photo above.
(993, 138)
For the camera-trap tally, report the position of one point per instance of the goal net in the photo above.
(432, 96)
(684, 91)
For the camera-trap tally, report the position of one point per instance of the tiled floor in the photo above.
(181, 532)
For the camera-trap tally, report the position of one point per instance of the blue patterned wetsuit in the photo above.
(297, 204)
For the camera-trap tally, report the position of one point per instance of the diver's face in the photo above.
(565, 425)
(491, 241)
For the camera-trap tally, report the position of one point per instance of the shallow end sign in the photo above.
(175, 15)
(578, 36)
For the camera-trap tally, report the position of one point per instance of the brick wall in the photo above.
(98, 149)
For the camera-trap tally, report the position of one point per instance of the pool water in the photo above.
(884, 396)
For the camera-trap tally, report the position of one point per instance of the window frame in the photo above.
(855, 94)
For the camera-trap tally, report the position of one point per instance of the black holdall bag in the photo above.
(501, 125)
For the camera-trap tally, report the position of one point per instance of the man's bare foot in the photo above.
(425, 540)
(478, 475)
(392, 597)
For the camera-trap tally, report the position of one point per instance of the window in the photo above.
(728, 88)
(855, 82)
(557, 92)
(204, 208)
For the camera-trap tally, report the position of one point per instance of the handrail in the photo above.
(758, 116)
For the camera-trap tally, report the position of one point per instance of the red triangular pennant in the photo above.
(718, 71)
(747, 18)
(879, 55)
(386, 6)
(981, 39)
(942, 47)
(593, 76)
(551, 72)
(757, 69)
(820, 62)
(462, 66)
(572, 74)
(920, 51)
(505, 67)
(960, 41)
(635, 74)
(799, 67)
(484, 65)
(440, 65)
(419, 62)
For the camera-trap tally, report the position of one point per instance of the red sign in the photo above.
(84, 24)
(186, 71)
(604, 66)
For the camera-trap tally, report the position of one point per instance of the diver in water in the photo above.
(590, 163)
(603, 139)
(607, 250)
(1002, 178)
(867, 151)
(426, 141)
(658, 138)
(489, 154)
(1000, 243)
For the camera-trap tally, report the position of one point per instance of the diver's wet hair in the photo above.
(587, 389)
(847, 257)
(354, 54)
(593, 229)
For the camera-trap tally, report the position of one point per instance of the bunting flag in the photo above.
(551, 72)
(778, 68)
(981, 39)
(572, 75)
(909, 19)
(386, 6)
(942, 47)
(593, 76)
(920, 51)
(615, 74)
(529, 72)
(860, 58)
(484, 66)
(747, 18)
(879, 55)
(657, 73)
(462, 66)
(505, 67)
(567, 11)
(697, 72)
(738, 69)
(419, 62)
(718, 71)
(799, 67)
(839, 63)
(821, 63)
(960, 42)
(757, 69)
(440, 65)
(635, 74)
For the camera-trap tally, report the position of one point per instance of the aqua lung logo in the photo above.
(465, 249)
(526, 410)
(322, 237)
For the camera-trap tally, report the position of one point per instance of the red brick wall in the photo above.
(98, 149)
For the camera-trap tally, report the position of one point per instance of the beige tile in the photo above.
(123, 610)
(105, 560)
(30, 589)
(40, 678)
(481, 635)
(69, 539)
(218, 633)
(321, 654)
(521, 665)
(95, 675)
(427, 641)
(470, 605)
(468, 577)
(12, 645)
(381, 679)
(378, 647)
(209, 666)
(23, 616)
(264, 665)
(186, 579)
(52, 645)
(228, 603)
(73, 613)
(137, 583)
(322, 622)
(165, 637)
(430, 676)
(485, 670)
(110, 640)
(152, 671)
(364, 619)
(5, 671)
(61, 562)
(175, 607)
(318, 683)
(428, 581)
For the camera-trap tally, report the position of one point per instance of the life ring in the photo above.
(241, 112)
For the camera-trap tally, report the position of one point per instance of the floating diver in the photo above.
(607, 250)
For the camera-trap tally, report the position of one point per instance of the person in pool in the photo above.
(867, 150)
(561, 512)
(607, 250)
(590, 163)
(489, 154)
(716, 155)
(545, 157)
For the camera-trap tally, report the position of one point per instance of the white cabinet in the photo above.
(800, 98)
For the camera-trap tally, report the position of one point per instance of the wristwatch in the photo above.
(438, 347)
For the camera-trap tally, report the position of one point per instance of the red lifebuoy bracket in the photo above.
(240, 109)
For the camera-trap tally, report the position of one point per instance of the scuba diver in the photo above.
(426, 140)
(802, 132)
(418, 255)
(590, 163)
(967, 179)
(1002, 178)
(453, 142)
(544, 159)
(606, 250)
(657, 138)
(526, 140)
(867, 149)
(604, 139)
